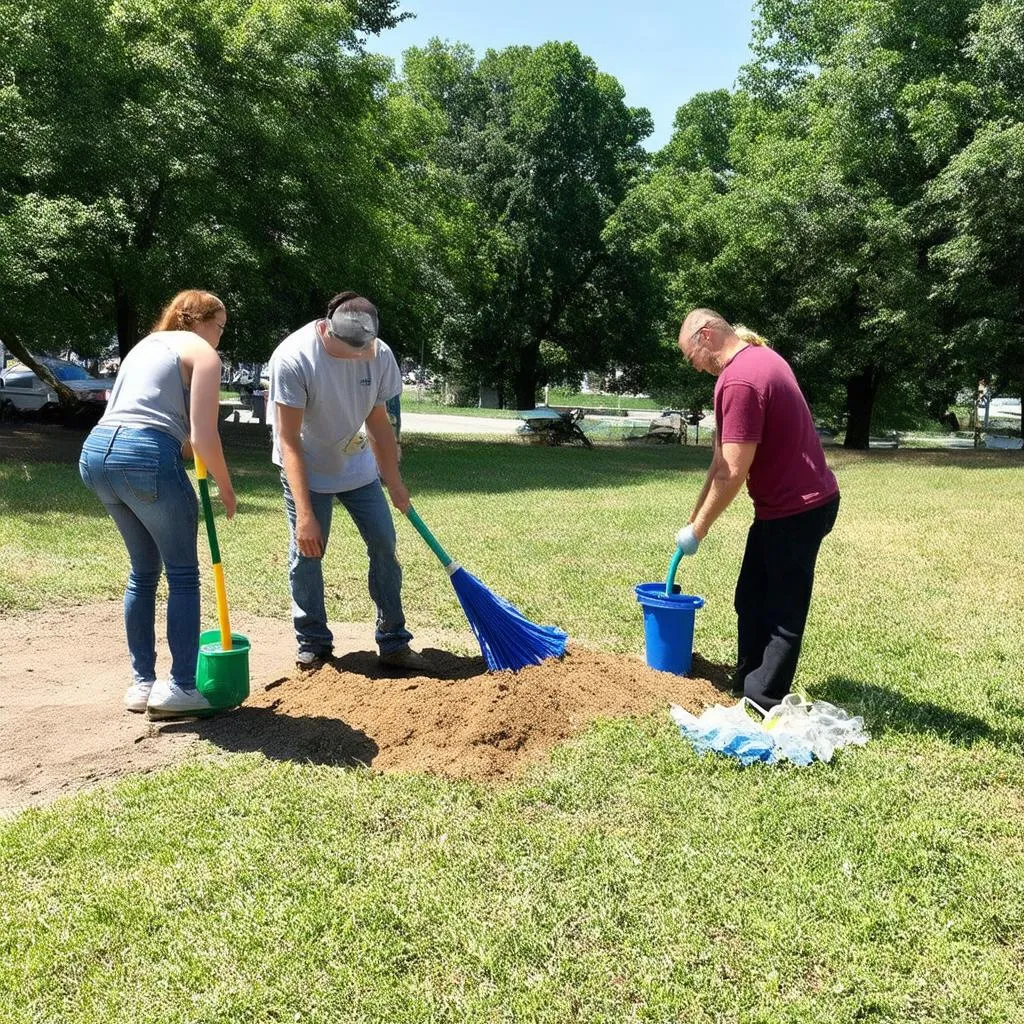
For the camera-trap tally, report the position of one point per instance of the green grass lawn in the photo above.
(600, 400)
(629, 879)
(429, 402)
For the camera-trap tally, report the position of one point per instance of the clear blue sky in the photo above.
(661, 52)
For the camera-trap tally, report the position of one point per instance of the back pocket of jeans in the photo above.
(142, 483)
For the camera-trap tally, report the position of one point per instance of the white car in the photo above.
(23, 391)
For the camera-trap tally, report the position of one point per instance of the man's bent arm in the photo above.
(730, 473)
(712, 469)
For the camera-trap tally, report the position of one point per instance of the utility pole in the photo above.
(420, 377)
(981, 404)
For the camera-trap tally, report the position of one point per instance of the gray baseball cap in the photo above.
(357, 329)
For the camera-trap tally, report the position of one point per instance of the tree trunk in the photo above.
(861, 390)
(127, 316)
(68, 399)
(526, 376)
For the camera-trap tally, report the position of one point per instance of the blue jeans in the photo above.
(139, 477)
(371, 513)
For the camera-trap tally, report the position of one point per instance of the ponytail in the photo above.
(187, 309)
(749, 336)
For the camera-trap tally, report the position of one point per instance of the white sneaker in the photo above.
(136, 697)
(168, 700)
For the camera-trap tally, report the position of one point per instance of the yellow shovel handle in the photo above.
(218, 569)
(222, 606)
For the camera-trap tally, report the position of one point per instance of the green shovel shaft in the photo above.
(421, 529)
(226, 640)
(211, 529)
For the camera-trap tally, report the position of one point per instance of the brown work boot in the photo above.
(406, 659)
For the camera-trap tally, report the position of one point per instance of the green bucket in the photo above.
(222, 677)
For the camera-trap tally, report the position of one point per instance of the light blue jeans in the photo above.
(371, 514)
(139, 477)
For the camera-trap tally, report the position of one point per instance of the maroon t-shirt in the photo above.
(758, 399)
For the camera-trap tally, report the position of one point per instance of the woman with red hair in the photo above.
(165, 399)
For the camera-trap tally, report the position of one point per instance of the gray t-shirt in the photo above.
(361, 468)
(149, 391)
(337, 396)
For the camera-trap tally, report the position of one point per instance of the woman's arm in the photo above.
(205, 401)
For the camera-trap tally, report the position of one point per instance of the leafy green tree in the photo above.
(437, 271)
(668, 220)
(973, 209)
(845, 201)
(151, 146)
(542, 149)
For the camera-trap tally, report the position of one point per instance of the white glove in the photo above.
(687, 541)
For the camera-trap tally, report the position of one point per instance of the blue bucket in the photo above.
(668, 626)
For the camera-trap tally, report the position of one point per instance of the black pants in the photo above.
(773, 596)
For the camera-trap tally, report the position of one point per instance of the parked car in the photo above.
(23, 391)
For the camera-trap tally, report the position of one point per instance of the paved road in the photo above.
(441, 423)
(425, 423)
(434, 423)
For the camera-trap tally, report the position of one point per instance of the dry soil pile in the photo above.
(464, 722)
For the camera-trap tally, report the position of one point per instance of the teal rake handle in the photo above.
(670, 580)
(421, 529)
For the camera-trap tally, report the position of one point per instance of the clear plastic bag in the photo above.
(815, 726)
(796, 730)
(729, 731)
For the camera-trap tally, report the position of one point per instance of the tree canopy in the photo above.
(857, 198)
(152, 145)
(542, 149)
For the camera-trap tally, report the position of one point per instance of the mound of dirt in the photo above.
(63, 727)
(463, 722)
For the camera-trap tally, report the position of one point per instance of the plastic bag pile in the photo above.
(797, 730)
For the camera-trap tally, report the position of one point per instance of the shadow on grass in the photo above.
(311, 739)
(431, 464)
(448, 465)
(40, 442)
(929, 458)
(720, 676)
(886, 710)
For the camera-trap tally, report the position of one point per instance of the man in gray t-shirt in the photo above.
(327, 380)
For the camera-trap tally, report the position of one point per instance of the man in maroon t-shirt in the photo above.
(765, 437)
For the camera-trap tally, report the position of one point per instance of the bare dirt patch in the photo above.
(63, 728)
